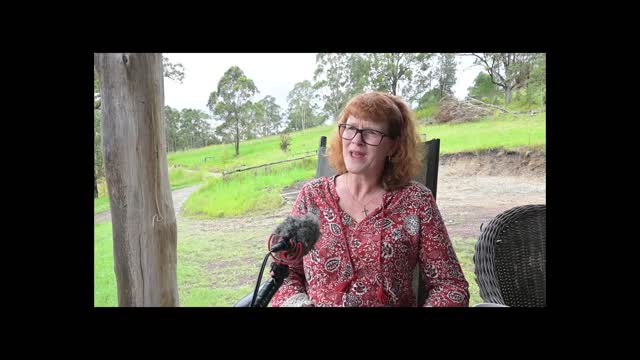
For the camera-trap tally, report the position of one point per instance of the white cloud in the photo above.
(274, 74)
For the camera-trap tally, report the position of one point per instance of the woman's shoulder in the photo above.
(414, 193)
(415, 197)
(416, 187)
(318, 184)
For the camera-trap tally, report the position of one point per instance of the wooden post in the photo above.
(429, 177)
(133, 144)
(322, 160)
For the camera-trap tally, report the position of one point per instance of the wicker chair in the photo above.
(510, 258)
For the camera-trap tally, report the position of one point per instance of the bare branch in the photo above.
(482, 103)
(491, 71)
(472, 99)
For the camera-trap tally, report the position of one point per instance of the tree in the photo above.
(302, 111)
(230, 103)
(332, 76)
(338, 77)
(224, 133)
(359, 69)
(187, 129)
(445, 73)
(407, 75)
(430, 97)
(96, 91)
(133, 144)
(484, 88)
(272, 115)
(205, 132)
(172, 127)
(172, 71)
(98, 164)
(194, 129)
(509, 71)
(259, 122)
(267, 118)
(252, 116)
(537, 86)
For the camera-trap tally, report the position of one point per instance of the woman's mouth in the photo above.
(357, 154)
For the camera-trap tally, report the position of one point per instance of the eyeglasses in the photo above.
(369, 136)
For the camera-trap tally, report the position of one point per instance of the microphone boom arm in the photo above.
(278, 273)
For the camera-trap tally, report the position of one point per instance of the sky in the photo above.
(274, 74)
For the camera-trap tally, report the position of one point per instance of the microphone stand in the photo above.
(278, 273)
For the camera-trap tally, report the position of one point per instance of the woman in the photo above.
(376, 223)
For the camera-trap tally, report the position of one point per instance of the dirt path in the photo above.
(179, 197)
(467, 202)
(473, 188)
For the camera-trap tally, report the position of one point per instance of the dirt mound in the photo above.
(450, 110)
(496, 162)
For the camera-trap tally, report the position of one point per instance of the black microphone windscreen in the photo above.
(305, 230)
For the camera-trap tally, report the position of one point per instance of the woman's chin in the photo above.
(355, 169)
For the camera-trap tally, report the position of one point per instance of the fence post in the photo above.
(321, 158)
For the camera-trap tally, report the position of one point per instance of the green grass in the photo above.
(104, 277)
(100, 204)
(464, 250)
(499, 131)
(218, 268)
(206, 297)
(180, 178)
(256, 191)
(426, 112)
(215, 268)
(496, 131)
(252, 152)
(249, 191)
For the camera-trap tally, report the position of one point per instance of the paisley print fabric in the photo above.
(371, 263)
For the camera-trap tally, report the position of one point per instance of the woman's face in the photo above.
(360, 156)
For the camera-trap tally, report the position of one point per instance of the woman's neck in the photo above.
(362, 186)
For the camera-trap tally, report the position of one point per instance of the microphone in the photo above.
(293, 232)
(300, 233)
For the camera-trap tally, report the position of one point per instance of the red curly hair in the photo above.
(380, 107)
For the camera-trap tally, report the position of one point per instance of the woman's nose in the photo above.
(358, 138)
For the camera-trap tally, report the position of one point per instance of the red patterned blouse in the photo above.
(371, 263)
